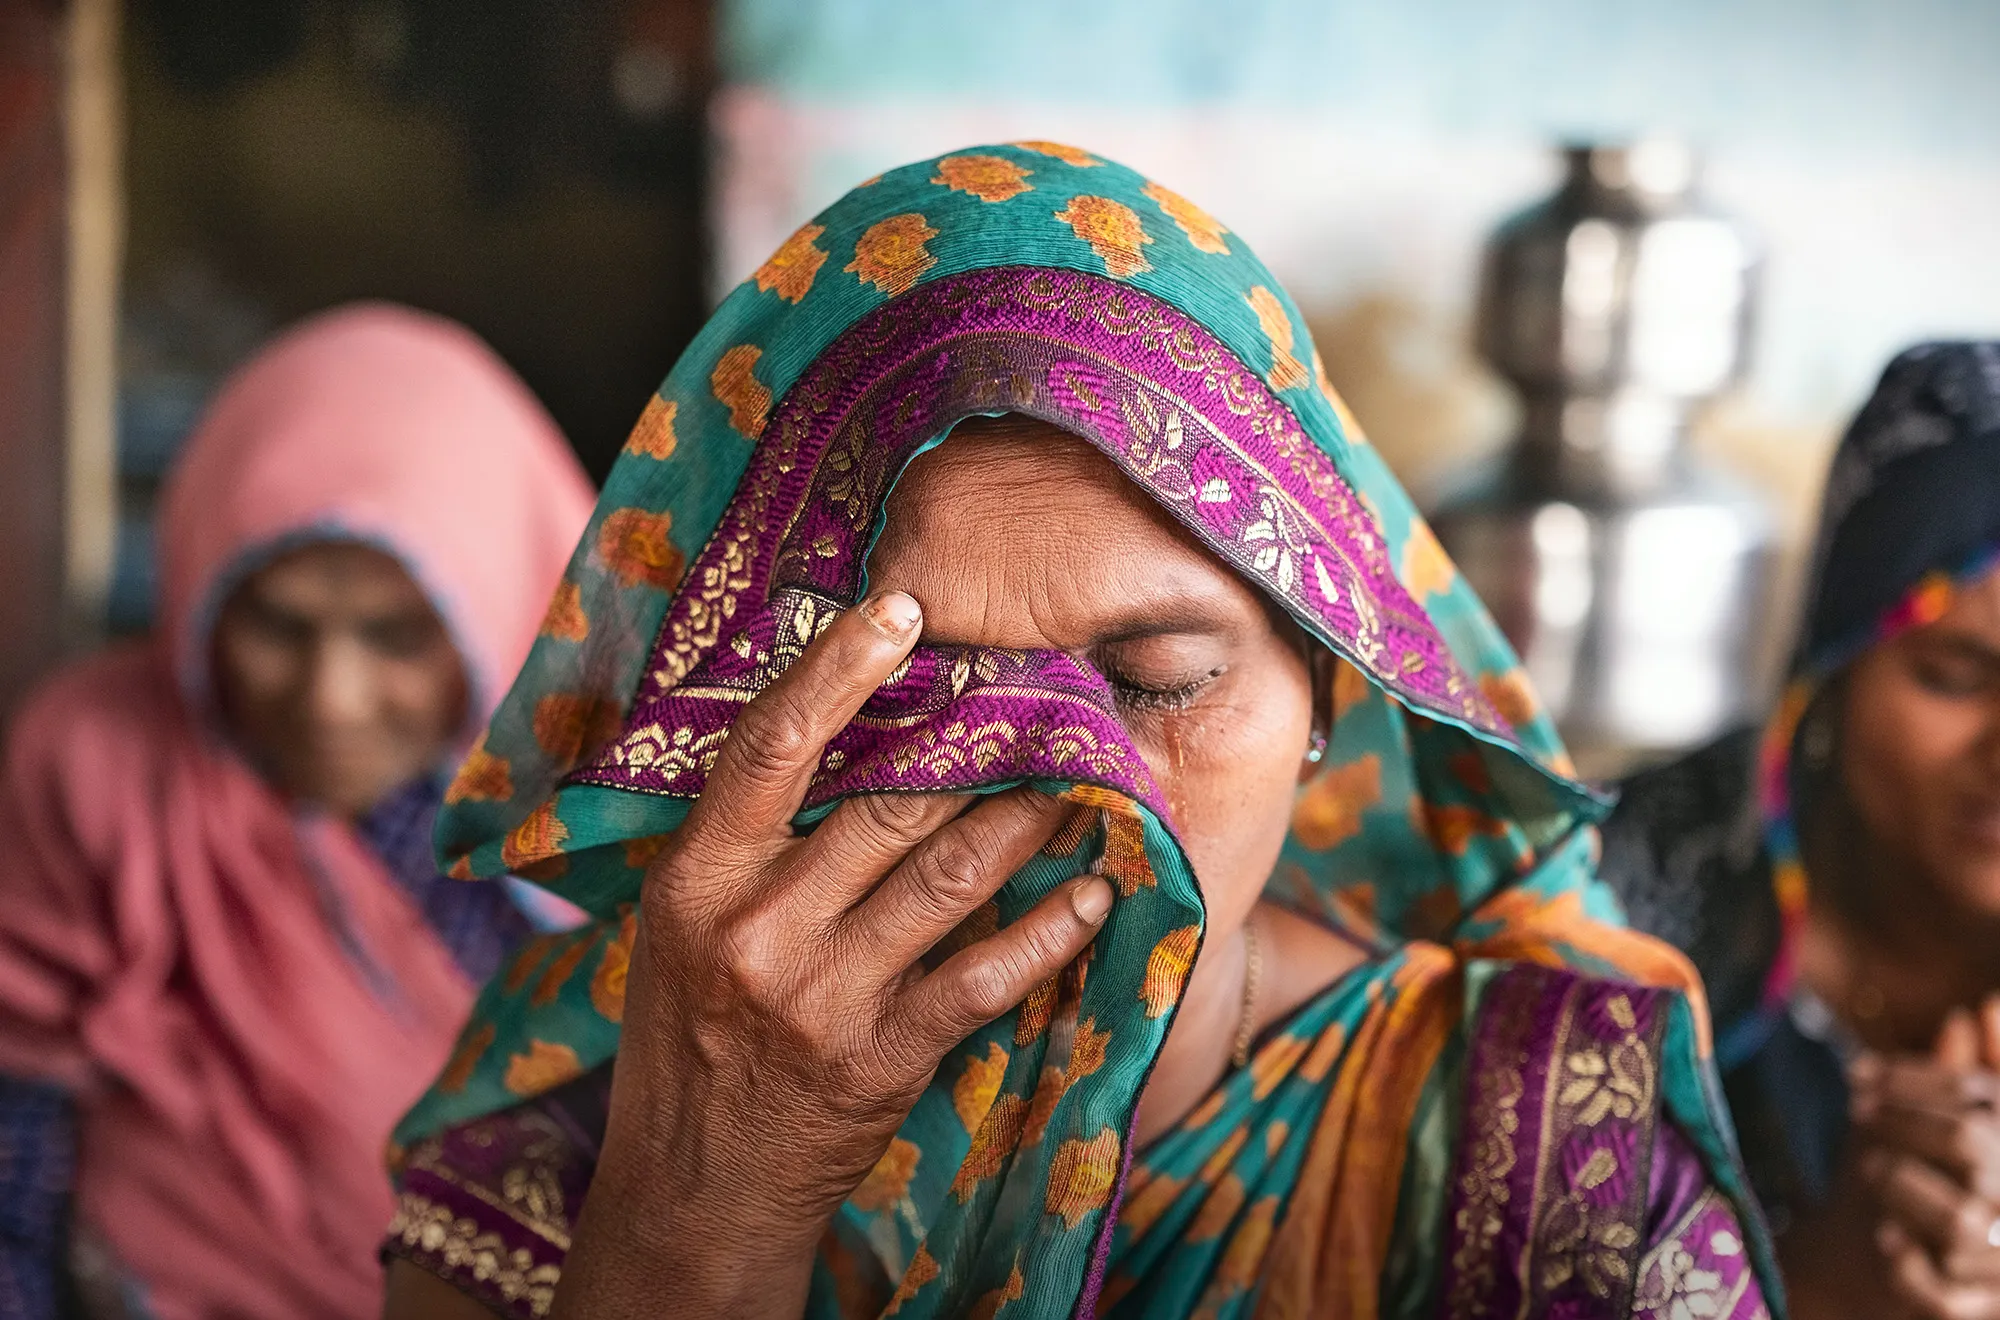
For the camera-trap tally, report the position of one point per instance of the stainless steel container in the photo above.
(1628, 574)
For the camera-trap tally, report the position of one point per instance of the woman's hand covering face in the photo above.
(781, 1020)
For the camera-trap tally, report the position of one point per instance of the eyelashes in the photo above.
(1134, 695)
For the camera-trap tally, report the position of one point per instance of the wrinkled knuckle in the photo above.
(899, 817)
(754, 961)
(771, 740)
(954, 875)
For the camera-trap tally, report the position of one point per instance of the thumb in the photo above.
(1958, 1042)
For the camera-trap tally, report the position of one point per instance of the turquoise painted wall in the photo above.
(1846, 78)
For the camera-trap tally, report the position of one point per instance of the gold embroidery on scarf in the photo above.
(423, 1226)
(1671, 1284)
(1493, 1121)
(1573, 1239)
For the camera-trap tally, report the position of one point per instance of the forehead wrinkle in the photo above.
(1033, 539)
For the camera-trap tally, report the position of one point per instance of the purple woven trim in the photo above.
(1159, 395)
(1550, 1204)
(1700, 1266)
(489, 1206)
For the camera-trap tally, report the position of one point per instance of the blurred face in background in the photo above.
(1920, 748)
(338, 677)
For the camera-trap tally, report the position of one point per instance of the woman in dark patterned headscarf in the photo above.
(1838, 880)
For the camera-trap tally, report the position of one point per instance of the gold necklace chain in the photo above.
(1253, 976)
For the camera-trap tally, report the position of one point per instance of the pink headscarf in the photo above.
(165, 943)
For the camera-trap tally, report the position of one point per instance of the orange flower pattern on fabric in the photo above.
(1202, 229)
(461, 868)
(1112, 230)
(527, 960)
(1081, 1176)
(1125, 864)
(653, 435)
(1274, 1063)
(563, 966)
(1147, 1197)
(973, 1093)
(1063, 152)
(1350, 426)
(1452, 827)
(1287, 372)
(1167, 969)
(998, 1137)
(568, 723)
(1329, 808)
(545, 1066)
(891, 254)
(640, 852)
(1086, 1052)
(790, 270)
(1042, 1105)
(636, 547)
(1427, 569)
(535, 839)
(988, 1306)
(922, 1270)
(1512, 695)
(566, 621)
(889, 1181)
(481, 777)
(1350, 687)
(1032, 1019)
(607, 987)
(1218, 1209)
(989, 178)
(1243, 1259)
(465, 1058)
(737, 388)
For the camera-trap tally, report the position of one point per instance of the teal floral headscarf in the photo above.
(1444, 827)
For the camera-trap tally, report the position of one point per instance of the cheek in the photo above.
(1230, 776)
(255, 673)
(423, 698)
(1902, 745)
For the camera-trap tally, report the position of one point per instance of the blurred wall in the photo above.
(1365, 150)
(32, 232)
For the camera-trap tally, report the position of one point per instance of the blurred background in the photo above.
(579, 180)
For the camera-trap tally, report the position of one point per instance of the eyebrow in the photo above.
(1961, 644)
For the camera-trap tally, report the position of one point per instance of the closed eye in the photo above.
(1136, 695)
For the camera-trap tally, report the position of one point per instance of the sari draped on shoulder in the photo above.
(1336, 1174)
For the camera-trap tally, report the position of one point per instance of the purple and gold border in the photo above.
(1165, 400)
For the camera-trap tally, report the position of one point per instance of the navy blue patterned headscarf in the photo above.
(1914, 489)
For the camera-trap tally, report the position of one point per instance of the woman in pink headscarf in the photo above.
(226, 961)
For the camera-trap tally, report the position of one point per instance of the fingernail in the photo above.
(894, 614)
(1090, 899)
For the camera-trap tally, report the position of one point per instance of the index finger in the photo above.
(761, 774)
